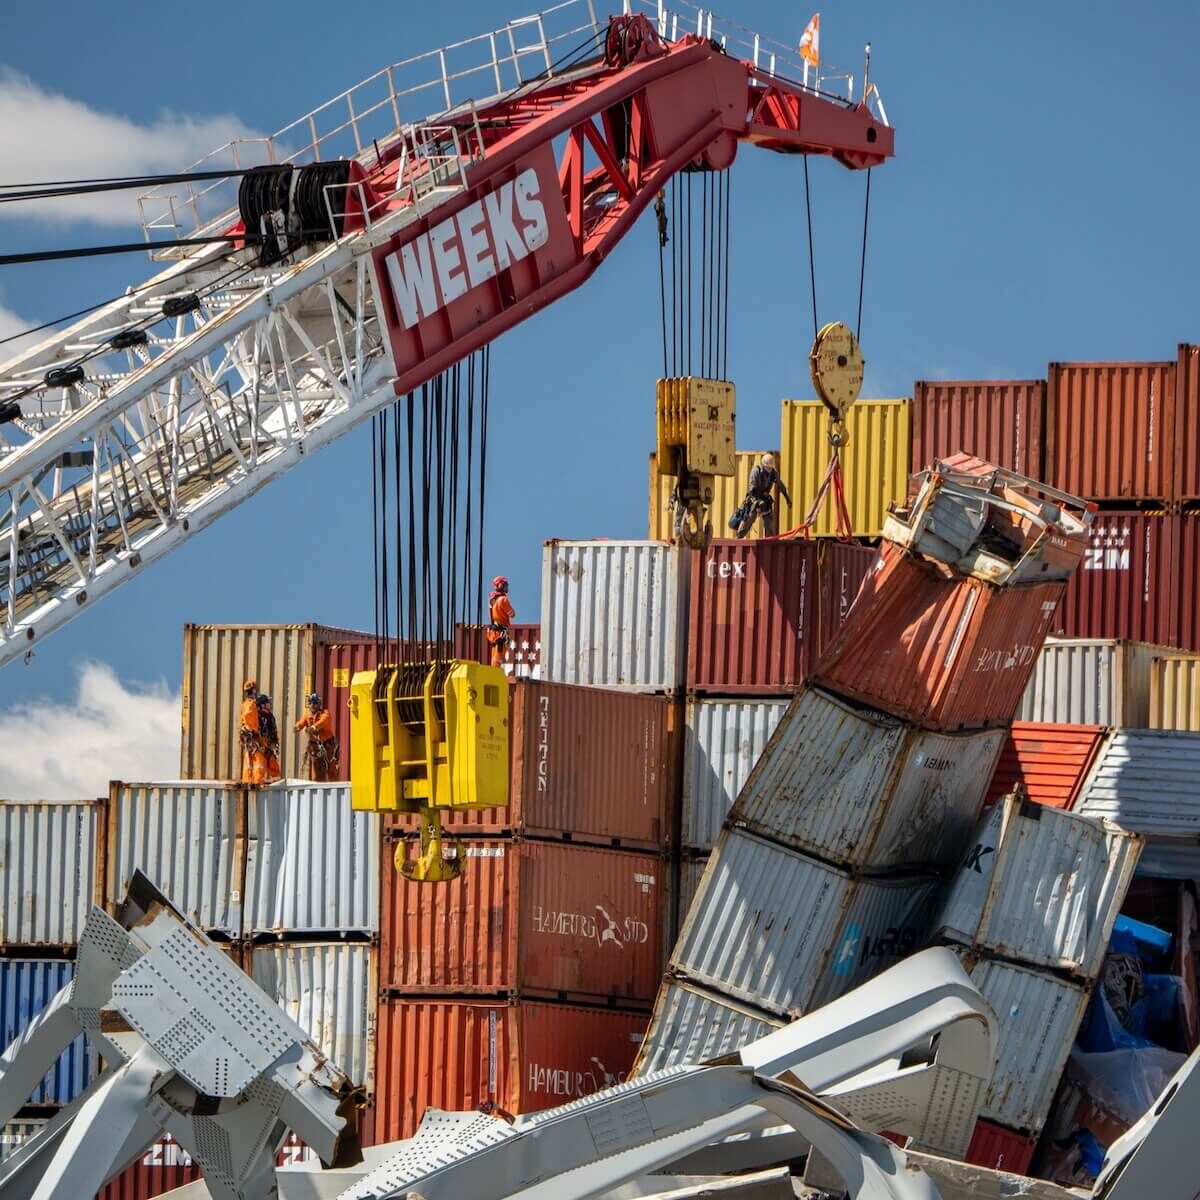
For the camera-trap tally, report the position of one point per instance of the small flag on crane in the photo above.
(810, 41)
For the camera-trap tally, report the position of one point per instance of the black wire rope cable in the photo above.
(484, 398)
(399, 524)
(690, 287)
(375, 533)
(725, 304)
(812, 268)
(383, 522)
(862, 268)
(468, 546)
(411, 627)
(662, 282)
(440, 453)
(704, 268)
(455, 537)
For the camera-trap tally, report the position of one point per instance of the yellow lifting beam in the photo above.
(428, 738)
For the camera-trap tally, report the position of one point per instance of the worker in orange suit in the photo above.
(268, 729)
(254, 758)
(323, 754)
(502, 615)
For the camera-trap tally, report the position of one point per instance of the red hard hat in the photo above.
(499, 583)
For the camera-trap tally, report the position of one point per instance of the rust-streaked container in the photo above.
(1125, 586)
(762, 611)
(521, 1055)
(535, 918)
(1187, 423)
(288, 663)
(1185, 628)
(998, 420)
(728, 492)
(1175, 693)
(522, 658)
(590, 765)
(1110, 430)
(938, 649)
(1000, 1149)
(1050, 761)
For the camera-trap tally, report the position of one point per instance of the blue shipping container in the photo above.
(27, 985)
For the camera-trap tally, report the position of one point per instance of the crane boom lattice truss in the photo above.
(457, 228)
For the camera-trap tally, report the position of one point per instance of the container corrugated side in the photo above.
(542, 918)
(1126, 585)
(312, 862)
(862, 789)
(998, 420)
(1049, 761)
(1187, 422)
(523, 1056)
(691, 1026)
(728, 492)
(1000, 1149)
(1041, 886)
(723, 740)
(1185, 628)
(1110, 429)
(614, 614)
(874, 464)
(522, 655)
(330, 991)
(27, 985)
(286, 663)
(691, 871)
(49, 854)
(1038, 1015)
(188, 839)
(163, 1167)
(1090, 681)
(16, 1133)
(1175, 693)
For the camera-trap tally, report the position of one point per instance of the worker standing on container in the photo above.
(254, 760)
(501, 615)
(323, 754)
(269, 732)
(765, 485)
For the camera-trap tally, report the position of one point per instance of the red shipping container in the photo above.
(163, 1167)
(762, 611)
(521, 659)
(1125, 586)
(587, 764)
(520, 1055)
(1185, 628)
(1187, 423)
(1000, 1149)
(938, 649)
(1110, 430)
(1049, 760)
(529, 918)
(998, 420)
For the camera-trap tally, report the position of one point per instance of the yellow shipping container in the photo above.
(1175, 693)
(874, 464)
(728, 493)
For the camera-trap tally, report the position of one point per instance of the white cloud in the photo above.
(55, 751)
(49, 136)
(11, 323)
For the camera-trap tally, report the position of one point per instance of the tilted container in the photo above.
(723, 740)
(520, 1055)
(286, 661)
(762, 611)
(1041, 886)
(1174, 693)
(1049, 761)
(189, 840)
(312, 862)
(728, 492)
(51, 870)
(535, 918)
(614, 614)
(862, 789)
(330, 991)
(874, 463)
(998, 420)
(775, 929)
(691, 1026)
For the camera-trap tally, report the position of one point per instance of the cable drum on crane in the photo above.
(282, 206)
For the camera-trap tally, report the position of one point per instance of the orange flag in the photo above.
(810, 42)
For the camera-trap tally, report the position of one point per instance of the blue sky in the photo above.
(1041, 206)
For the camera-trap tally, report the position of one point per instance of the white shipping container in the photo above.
(614, 614)
(1148, 781)
(329, 990)
(692, 1026)
(862, 789)
(48, 878)
(1038, 1016)
(15, 1134)
(187, 839)
(1041, 886)
(312, 862)
(1090, 681)
(723, 739)
(767, 920)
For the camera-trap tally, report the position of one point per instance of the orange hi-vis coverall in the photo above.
(322, 746)
(254, 758)
(502, 616)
